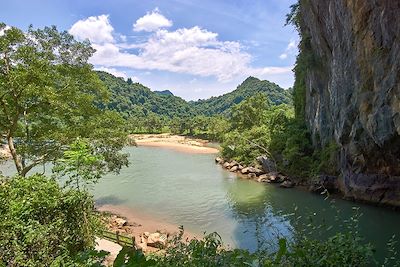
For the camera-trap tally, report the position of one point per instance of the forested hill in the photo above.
(251, 86)
(137, 100)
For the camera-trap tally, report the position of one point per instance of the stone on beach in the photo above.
(263, 178)
(287, 184)
(252, 175)
(234, 169)
(245, 170)
(256, 171)
(156, 240)
(219, 160)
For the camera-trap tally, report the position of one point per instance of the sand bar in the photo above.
(176, 142)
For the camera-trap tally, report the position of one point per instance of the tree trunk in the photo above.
(17, 160)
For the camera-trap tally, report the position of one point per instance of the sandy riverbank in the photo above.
(176, 142)
(143, 222)
(137, 224)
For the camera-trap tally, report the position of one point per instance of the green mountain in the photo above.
(137, 100)
(251, 86)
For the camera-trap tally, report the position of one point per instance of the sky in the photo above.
(194, 48)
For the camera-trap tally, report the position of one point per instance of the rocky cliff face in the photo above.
(352, 93)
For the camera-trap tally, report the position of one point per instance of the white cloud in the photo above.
(283, 56)
(113, 71)
(96, 29)
(135, 79)
(118, 73)
(290, 50)
(194, 51)
(152, 22)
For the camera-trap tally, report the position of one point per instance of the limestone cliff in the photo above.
(352, 90)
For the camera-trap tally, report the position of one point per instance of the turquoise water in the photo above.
(191, 190)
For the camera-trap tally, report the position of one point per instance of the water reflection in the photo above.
(260, 226)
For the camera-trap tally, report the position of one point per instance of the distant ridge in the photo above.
(164, 92)
(249, 87)
(138, 100)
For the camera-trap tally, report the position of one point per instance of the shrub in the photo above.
(41, 222)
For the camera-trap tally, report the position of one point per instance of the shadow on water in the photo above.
(109, 200)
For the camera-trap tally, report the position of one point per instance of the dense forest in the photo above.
(149, 111)
(134, 99)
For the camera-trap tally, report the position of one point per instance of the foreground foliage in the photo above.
(43, 224)
(342, 249)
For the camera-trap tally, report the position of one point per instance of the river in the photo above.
(191, 190)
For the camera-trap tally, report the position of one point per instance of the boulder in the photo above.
(282, 177)
(273, 177)
(157, 240)
(226, 165)
(287, 184)
(263, 178)
(219, 160)
(251, 175)
(233, 169)
(240, 167)
(256, 171)
(120, 222)
(233, 163)
(245, 170)
(267, 164)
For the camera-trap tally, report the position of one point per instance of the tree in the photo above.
(129, 81)
(249, 113)
(153, 123)
(218, 127)
(49, 96)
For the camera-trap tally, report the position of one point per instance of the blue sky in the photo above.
(196, 49)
